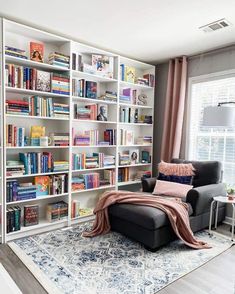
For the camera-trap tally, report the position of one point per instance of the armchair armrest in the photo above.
(201, 197)
(148, 184)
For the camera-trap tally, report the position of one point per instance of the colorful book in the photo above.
(42, 184)
(37, 51)
(31, 215)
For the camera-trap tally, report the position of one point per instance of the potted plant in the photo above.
(231, 193)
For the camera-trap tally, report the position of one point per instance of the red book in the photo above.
(36, 51)
(17, 102)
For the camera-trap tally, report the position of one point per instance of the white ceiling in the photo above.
(148, 30)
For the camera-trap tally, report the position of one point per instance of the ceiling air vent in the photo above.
(216, 25)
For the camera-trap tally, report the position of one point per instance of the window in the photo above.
(207, 143)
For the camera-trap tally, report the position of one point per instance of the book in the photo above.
(57, 211)
(37, 131)
(91, 89)
(43, 81)
(129, 74)
(37, 51)
(42, 184)
(31, 215)
(102, 112)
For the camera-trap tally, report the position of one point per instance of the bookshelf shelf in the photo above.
(135, 145)
(132, 85)
(42, 224)
(93, 77)
(90, 100)
(37, 147)
(94, 189)
(135, 124)
(135, 165)
(35, 175)
(95, 146)
(34, 64)
(93, 169)
(129, 183)
(36, 117)
(39, 198)
(120, 95)
(135, 106)
(93, 121)
(34, 92)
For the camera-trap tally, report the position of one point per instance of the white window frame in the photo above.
(200, 79)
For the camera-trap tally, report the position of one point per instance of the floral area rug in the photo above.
(65, 262)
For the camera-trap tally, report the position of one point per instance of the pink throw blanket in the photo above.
(176, 210)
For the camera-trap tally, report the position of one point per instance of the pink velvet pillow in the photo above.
(171, 189)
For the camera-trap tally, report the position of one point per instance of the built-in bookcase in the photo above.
(18, 35)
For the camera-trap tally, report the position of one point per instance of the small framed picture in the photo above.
(134, 156)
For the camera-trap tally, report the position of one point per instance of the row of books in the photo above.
(128, 95)
(91, 160)
(34, 79)
(59, 139)
(36, 51)
(128, 74)
(91, 112)
(37, 106)
(57, 211)
(127, 138)
(77, 211)
(131, 115)
(93, 180)
(59, 59)
(54, 212)
(41, 186)
(91, 138)
(83, 88)
(123, 174)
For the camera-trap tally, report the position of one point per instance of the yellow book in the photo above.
(37, 132)
(130, 74)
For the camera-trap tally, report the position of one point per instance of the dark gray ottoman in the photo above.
(147, 225)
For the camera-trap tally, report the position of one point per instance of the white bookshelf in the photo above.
(19, 35)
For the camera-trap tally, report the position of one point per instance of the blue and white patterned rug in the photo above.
(65, 262)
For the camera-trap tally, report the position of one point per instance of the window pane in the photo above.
(207, 143)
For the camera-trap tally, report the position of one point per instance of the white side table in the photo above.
(217, 200)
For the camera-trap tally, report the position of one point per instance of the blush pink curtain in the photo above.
(174, 109)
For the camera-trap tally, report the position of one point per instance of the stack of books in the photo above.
(87, 138)
(108, 160)
(17, 107)
(123, 174)
(142, 81)
(87, 112)
(143, 174)
(60, 83)
(150, 79)
(124, 157)
(15, 52)
(15, 136)
(37, 162)
(82, 88)
(27, 78)
(126, 137)
(78, 183)
(59, 139)
(31, 215)
(57, 211)
(145, 140)
(13, 219)
(61, 165)
(128, 96)
(59, 59)
(20, 191)
(108, 178)
(15, 168)
(109, 96)
(60, 110)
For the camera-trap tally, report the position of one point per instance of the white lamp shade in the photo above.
(219, 117)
